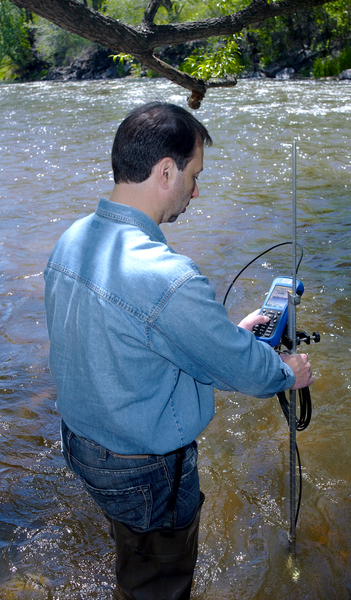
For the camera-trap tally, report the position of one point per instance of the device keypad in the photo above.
(267, 329)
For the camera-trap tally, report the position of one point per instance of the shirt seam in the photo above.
(115, 217)
(98, 290)
(121, 303)
(150, 320)
(168, 294)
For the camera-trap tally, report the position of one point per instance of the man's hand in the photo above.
(301, 367)
(297, 362)
(253, 319)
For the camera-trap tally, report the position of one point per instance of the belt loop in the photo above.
(103, 453)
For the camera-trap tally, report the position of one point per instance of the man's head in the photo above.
(152, 132)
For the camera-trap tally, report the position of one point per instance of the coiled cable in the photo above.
(301, 424)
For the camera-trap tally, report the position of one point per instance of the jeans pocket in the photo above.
(131, 506)
(190, 462)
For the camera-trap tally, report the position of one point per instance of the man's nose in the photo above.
(195, 191)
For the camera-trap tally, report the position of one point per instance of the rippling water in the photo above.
(55, 143)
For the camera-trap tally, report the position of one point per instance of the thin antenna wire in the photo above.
(292, 394)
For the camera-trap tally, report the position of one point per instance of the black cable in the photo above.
(305, 408)
(300, 489)
(301, 424)
(256, 258)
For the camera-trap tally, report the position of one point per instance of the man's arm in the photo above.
(194, 332)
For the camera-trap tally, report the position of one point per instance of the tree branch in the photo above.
(77, 18)
(151, 11)
(165, 70)
(257, 12)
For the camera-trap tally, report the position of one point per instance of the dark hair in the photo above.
(150, 133)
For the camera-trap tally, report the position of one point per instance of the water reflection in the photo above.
(55, 144)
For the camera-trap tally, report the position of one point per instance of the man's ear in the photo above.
(166, 172)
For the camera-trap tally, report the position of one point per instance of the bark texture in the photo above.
(140, 41)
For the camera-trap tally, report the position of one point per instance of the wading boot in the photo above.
(158, 564)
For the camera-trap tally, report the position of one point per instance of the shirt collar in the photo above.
(131, 215)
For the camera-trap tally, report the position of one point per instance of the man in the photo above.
(138, 343)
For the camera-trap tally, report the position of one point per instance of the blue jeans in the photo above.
(133, 489)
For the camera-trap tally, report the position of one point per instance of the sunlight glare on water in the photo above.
(55, 146)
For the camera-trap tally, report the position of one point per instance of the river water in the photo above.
(55, 143)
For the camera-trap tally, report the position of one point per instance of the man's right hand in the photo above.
(301, 367)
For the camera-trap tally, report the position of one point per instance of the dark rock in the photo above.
(175, 55)
(272, 69)
(96, 64)
(301, 63)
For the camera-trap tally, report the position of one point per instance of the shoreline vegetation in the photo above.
(315, 42)
(97, 63)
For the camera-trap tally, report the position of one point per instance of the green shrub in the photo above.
(345, 59)
(152, 74)
(324, 67)
(15, 49)
(329, 67)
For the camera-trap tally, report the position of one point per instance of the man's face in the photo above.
(185, 186)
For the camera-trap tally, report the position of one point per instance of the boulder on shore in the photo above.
(286, 73)
(345, 74)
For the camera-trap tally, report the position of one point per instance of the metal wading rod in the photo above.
(293, 300)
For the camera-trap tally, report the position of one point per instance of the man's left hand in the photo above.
(253, 319)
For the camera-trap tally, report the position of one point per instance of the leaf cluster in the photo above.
(225, 60)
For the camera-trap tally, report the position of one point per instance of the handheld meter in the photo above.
(276, 308)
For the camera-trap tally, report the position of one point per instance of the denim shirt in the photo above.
(138, 341)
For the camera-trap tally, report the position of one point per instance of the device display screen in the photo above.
(278, 297)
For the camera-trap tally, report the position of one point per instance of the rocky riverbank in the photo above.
(99, 64)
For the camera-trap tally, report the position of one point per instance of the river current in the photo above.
(55, 142)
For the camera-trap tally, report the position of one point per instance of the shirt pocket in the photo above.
(131, 506)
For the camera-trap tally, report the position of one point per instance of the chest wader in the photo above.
(158, 564)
